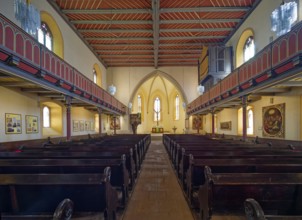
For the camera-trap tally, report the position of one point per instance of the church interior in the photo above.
(151, 109)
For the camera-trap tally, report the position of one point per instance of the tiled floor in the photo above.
(157, 194)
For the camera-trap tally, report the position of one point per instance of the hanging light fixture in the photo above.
(200, 89)
(112, 89)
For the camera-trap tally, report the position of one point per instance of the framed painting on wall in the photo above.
(13, 123)
(87, 125)
(227, 125)
(82, 126)
(76, 125)
(273, 121)
(92, 128)
(117, 123)
(31, 124)
(197, 122)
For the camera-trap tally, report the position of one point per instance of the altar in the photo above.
(157, 130)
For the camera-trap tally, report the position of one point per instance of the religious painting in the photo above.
(13, 123)
(274, 120)
(82, 126)
(76, 126)
(227, 125)
(31, 124)
(197, 122)
(117, 123)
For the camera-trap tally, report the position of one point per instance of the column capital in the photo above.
(68, 100)
(100, 110)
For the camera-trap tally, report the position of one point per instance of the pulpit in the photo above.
(135, 120)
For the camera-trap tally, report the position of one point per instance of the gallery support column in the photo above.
(100, 121)
(213, 122)
(114, 124)
(244, 126)
(68, 117)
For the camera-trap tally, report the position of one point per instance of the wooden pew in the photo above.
(195, 174)
(268, 154)
(119, 175)
(75, 156)
(95, 148)
(225, 193)
(40, 193)
(254, 211)
(63, 211)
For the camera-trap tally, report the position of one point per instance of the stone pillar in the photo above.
(68, 117)
(244, 125)
(100, 120)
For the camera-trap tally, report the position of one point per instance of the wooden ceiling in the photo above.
(153, 33)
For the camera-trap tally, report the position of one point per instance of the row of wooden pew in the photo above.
(93, 176)
(219, 176)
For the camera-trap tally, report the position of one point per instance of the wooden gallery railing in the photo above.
(277, 60)
(19, 49)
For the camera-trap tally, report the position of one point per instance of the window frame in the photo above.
(45, 30)
(48, 125)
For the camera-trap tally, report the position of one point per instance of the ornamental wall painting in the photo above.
(117, 123)
(274, 121)
(197, 122)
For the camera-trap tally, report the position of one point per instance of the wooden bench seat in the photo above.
(254, 211)
(130, 165)
(195, 174)
(29, 194)
(119, 174)
(225, 193)
(63, 211)
(183, 166)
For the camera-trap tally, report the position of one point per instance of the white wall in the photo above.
(18, 103)
(127, 78)
(292, 117)
(225, 116)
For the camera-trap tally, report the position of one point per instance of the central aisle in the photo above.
(157, 194)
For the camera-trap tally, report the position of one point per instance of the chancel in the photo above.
(129, 110)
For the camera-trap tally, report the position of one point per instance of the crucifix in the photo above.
(157, 116)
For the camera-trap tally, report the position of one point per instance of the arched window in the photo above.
(46, 117)
(177, 107)
(139, 104)
(45, 36)
(250, 122)
(94, 76)
(157, 109)
(249, 48)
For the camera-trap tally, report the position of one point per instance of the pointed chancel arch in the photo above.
(162, 75)
(58, 43)
(166, 88)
